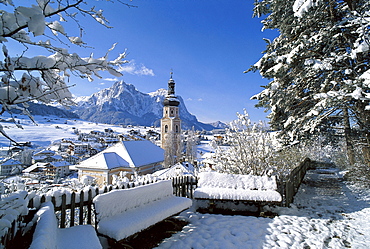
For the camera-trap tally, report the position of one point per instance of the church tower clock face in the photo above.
(171, 123)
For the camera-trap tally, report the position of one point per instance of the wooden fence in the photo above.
(289, 185)
(77, 208)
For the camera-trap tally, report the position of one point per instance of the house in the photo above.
(71, 158)
(60, 169)
(81, 148)
(37, 168)
(141, 157)
(43, 156)
(8, 165)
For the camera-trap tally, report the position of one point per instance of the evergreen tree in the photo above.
(319, 67)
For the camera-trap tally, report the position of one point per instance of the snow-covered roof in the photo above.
(104, 160)
(33, 167)
(45, 152)
(39, 158)
(60, 164)
(11, 162)
(125, 154)
(57, 157)
(138, 153)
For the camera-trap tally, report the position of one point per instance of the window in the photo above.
(166, 128)
(177, 128)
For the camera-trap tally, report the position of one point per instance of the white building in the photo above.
(7, 166)
(142, 157)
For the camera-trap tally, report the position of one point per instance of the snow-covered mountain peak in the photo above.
(122, 103)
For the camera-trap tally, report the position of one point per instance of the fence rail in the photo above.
(289, 185)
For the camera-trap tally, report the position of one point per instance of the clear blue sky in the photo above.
(208, 44)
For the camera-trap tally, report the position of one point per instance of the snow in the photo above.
(105, 160)
(213, 185)
(44, 132)
(147, 205)
(178, 169)
(234, 181)
(11, 208)
(302, 6)
(237, 194)
(138, 153)
(48, 235)
(327, 213)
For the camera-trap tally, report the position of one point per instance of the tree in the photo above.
(252, 150)
(191, 146)
(41, 27)
(319, 67)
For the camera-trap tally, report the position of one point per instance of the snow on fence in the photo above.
(72, 208)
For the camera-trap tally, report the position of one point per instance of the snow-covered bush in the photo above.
(87, 180)
(253, 150)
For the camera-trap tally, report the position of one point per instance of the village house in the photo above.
(43, 156)
(71, 158)
(140, 157)
(37, 169)
(81, 148)
(8, 165)
(60, 169)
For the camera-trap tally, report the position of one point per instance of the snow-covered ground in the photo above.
(49, 129)
(327, 213)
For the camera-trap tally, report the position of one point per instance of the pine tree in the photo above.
(319, 66)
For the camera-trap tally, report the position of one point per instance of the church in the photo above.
(171, 126)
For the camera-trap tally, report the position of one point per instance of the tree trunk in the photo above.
(366, 148)
(347, 136)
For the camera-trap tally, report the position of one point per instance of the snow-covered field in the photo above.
(327, 213)
(49, 129)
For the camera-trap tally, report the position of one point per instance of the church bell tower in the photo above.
(171, 126)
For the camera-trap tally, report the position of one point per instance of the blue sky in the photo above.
(207, 44)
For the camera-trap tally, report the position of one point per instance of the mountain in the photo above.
(48, 110)
(219, 125)
(124, 104)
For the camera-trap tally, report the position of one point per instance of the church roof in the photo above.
(125, 154)
(104, 160)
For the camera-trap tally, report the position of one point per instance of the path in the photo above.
(327, 213)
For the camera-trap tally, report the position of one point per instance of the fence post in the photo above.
(81, 214)
(89, 203)
(73, 206)
(53, 201)
(63, 212)
(183, 194)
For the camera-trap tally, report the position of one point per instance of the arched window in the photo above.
(166, 128)
(177, 128)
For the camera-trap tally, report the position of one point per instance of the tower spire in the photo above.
(171, 85)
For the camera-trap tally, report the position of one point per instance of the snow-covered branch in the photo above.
(43, 78)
